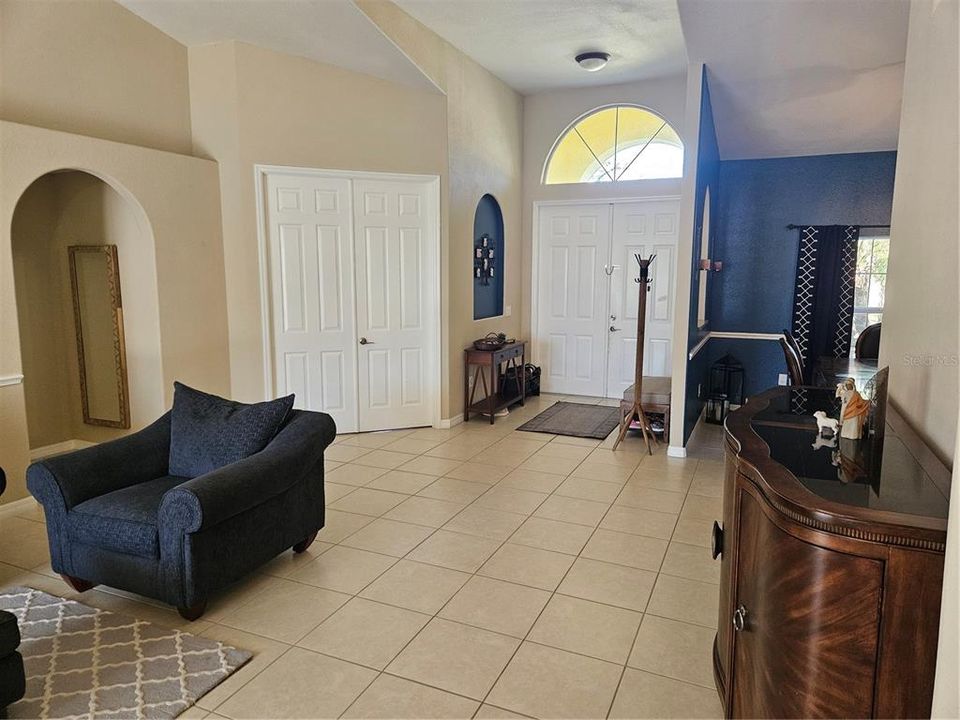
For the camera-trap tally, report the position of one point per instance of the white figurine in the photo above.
(825, 422)
(830, 442)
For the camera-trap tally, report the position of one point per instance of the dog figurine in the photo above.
(826, 422)
(820, 441)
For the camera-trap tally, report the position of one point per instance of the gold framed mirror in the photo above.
(98, 319)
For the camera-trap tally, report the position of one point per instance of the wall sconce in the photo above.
(483, 260)
(715, 265)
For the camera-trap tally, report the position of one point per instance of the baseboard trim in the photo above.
(677, 452)
(447, 423)
(58, 448)
(15, 507)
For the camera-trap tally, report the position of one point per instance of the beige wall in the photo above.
(484, 133)
(176, 204)
(94, 68)
(296, 112)
(920, 317)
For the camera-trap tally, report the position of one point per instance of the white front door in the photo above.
(641, 228)
(574, 247)
(312, 293)
(396, 270)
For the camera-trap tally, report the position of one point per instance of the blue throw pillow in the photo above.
(208, 432)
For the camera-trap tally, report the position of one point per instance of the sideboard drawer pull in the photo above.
(716, 540)
(740, 619)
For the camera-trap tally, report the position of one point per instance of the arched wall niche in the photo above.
(76, 207)
(488, 221)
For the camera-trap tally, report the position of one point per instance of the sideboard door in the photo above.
(810, 619)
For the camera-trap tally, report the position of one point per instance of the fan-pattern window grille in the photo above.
(613, 144)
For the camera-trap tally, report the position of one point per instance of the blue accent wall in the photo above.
(757, 199)
(488, 299)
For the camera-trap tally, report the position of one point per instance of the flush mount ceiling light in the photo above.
(592, 61)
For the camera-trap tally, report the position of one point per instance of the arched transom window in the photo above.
(616, 143)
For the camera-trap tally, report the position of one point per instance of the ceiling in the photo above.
(530, 44)
(335, 32)
(804, 77)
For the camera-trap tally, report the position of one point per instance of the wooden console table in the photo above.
(492, 359)
(830, 580)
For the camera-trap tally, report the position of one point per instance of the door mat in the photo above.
(575, 420)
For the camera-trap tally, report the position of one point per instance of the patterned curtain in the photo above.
(823, 293)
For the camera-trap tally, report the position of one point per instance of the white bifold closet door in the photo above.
(587, 297)
(352, 272)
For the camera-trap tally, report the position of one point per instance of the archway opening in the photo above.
(58, 211)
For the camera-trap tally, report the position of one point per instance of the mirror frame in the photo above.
(119, 344)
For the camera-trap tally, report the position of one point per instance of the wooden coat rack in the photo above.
(637, 407)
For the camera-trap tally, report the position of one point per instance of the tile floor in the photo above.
(471, 572)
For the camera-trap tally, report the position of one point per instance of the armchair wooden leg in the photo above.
(77, 584)
(194, 611)
(305, 543)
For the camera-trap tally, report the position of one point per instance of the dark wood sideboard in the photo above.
(829, 590)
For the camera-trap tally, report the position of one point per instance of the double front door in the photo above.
(587, 297)
(353, 271)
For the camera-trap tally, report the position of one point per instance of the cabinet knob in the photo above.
(740, 619)
(716, 540)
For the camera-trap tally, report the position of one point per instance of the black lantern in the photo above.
(724, 389)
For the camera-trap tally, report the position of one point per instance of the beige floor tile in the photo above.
(552, 535)
(364, 501)
(344, 569)
(341, 452)
(532, 480)
(388, 537)
(11, 576)
(496, 605)
(572, 510)
(528, 566)
(577, 441)
(703, 508)
(398, 481)
(425, 511)
(235, 596)
(338, 525)
(675, 649)
(23, 543)
(626, 549)
(415, 586)
(373, 440)
(456, 450)
(586, 489)
(611, 584)
(651, 499)
(365, 632)
(143, 609)
(478, 472)
(708, 485)
(334, 491)
(513, 444)
(549, 683)
(329, 465)
(264, 650)
(587, 627)
(593, 470)
(414, 446)
(485, 522)
(454, 551)
(694, 531)
(639, 522)
(393, 697)
(301, 684)
(288, 612)
(384, 459)
(492, 712)
(33, 511)
(430, 465)
(555, 465)
(351, 474)
(511, 500)
(454, 490)
(657, 481)
(687, 600)
(627, 456)
(642, 695)
(572, 452)
(454, 657)
(504, 459)
(692, 562)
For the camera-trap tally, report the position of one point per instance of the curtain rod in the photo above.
(791, 226)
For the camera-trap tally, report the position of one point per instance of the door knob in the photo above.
(364, 341)
(740, 619)
(614, 329)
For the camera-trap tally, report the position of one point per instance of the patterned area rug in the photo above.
(575, 420)
(82, 662)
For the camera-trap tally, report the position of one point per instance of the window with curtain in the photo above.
(870, 288)
(615, 144)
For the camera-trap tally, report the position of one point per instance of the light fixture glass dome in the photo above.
(592, 61)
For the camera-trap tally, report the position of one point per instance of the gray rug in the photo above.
(575, 420)
(82, 662)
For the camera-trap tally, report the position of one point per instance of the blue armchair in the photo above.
(115, 516)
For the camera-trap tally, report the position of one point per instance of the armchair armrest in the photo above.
(209, 499)
(88, 473)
